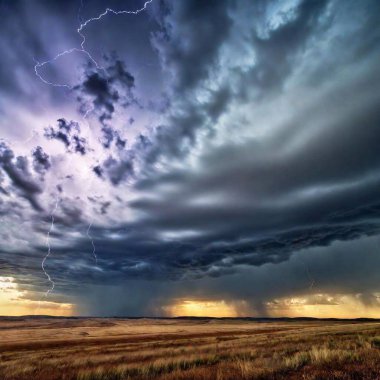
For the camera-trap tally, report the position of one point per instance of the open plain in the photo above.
(187, 348)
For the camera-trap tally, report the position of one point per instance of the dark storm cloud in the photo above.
(68, 132)
(277, 51)
(118, 171)
(41, 160)
(189, 45)
(24, 40)
(342, 269)
(190, 42)
(122, 168)
(104, 97)
(188, 55)
(110, 135)
(190, 58)
(101, 205)
(17, 169)
(98, 170)
(104, 89)
(309, 184)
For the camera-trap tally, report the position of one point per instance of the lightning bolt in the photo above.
(82, 50)
(92, 242)
(48, 253)
(38, 65)
(107, 11)
(85, 117)
(52, 284)
(33, 134)
(310, 277)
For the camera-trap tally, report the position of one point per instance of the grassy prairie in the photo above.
(175, 349)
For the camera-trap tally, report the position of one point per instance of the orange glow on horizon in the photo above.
(311, 305)
(201, 308)
(14, 302)
(17, 302)
(323, 306)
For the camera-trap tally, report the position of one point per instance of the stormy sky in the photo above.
(190, 157)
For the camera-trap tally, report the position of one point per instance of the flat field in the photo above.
(175, 349)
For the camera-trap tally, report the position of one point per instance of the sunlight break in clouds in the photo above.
(14, 302)
(202, 309)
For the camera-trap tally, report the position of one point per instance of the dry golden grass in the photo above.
(120, 349)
